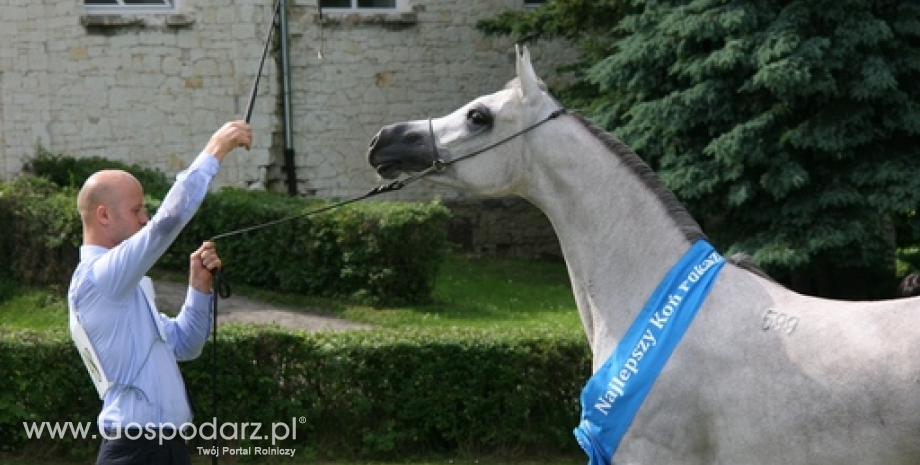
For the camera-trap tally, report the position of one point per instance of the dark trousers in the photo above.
(143, 451)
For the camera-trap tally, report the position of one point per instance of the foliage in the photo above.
(789, 128)
(67, 171)
(378, 253)
(43, 382)
(908, 261)
(363, 394)
(589, 24)
(41, 233)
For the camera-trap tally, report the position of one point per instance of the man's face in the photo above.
(127, 212)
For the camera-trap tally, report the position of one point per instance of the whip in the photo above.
(221, 288)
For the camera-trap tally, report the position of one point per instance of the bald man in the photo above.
(131, 350)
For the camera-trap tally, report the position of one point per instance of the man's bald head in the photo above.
(103, 188)
(111, 207)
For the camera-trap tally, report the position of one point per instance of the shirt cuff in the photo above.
(205, 162)
(197, 300)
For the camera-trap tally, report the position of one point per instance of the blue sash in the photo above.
(614, 394)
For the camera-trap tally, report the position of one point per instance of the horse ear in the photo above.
(530, 84)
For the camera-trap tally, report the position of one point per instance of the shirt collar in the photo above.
(90, 251)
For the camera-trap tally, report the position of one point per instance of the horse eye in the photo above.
(479, 117)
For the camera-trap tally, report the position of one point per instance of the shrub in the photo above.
(359, 395)
(44, 382)
(42, 232)
(66, 171)
(375, 252)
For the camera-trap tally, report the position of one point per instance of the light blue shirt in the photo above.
(106, 296)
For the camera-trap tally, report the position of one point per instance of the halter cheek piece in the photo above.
(440, 164)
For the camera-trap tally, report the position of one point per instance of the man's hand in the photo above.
(230, 136)
(201, 264)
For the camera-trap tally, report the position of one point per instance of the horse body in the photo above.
(763, 375)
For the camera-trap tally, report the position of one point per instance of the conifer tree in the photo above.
(789, 128)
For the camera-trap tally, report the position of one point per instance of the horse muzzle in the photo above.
(401, 148)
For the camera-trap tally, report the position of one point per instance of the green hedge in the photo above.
(67, 171)
(380, 395)
(377, 252)
(41, 232)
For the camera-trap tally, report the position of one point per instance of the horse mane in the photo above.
(746, 262)
(687, 224)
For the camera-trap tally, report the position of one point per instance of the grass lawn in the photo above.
(31, 308)
(487, 292)
(469, 292)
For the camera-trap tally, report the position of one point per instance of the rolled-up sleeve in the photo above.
(188, 331)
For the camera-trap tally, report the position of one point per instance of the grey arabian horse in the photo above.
(763, 375)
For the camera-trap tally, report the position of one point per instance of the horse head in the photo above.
(486, 127)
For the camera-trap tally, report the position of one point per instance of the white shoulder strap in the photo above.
(151, 296)
(88, 354)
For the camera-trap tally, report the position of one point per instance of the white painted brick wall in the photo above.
(153, 94)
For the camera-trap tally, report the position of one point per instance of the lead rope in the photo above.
(221, 288)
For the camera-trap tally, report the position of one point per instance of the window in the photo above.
(364, 5)
(130, 6)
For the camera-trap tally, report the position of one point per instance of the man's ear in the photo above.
(102, 214)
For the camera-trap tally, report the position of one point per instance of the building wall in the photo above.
(147, 89)
(151, 89)
(354, 74)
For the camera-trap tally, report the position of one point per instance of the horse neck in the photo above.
(618, 235)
